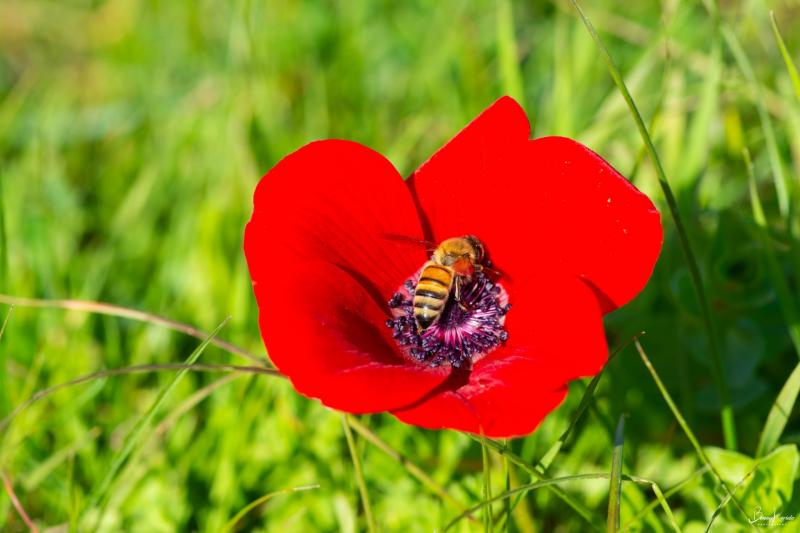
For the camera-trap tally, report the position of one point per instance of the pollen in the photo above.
(467, 329)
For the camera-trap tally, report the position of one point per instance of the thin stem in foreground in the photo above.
(488, 519)
(615, 485)
(104, 308)
(538, 474)
(525, 488)
(263, 499)
(787, 57)
(652, 505)
(98, 496)
(556, 481)
(169, 367)
(362, 484)
(726, 414)
(406, 463)
(507, 476)
(17, 504)
(686, 429)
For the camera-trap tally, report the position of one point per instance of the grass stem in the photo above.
(103, 308)
(507, 476)
(726, 412)
(686, 429)
(9, 487)
(406, 463)
(510, 74)
(359, 473)
(488, 519)
(168, 367)
(537, 473)
(141, 426)
(615, 479)
(260, 501)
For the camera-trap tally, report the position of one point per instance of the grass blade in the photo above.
(3, 243)
(779, 414)
(665, 506)
(5, 400)
(728, 497)
(3, 387)
(552, 483)
(190, 403)
(728, 424)
(787, 59)
(660, 499)
(488, 519)
(524, 488)
(686, 429)
(362, 484)
(783, 186)
(652, 505)
(536, 473)
(586, 400)
(699, 134)
(143, 424)
(510, 75)
(776, 274)
(103, 308)
(406, 463)
(170, 367)
(5, 321)
(507, 476)
(36, 476)
(746, 67)
(784, 403)
(263, 499)
(17, 504)
(615, 485)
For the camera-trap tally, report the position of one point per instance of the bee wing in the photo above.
(411, 241)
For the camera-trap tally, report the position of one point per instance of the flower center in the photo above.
(467, 328)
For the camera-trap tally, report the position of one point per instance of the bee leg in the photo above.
(457, 295)
(487, 267)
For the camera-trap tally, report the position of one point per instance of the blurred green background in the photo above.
(132, 134)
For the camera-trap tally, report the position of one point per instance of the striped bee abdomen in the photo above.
(431, 293)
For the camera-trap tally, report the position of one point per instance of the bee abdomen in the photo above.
(436, 295)
(431, 293)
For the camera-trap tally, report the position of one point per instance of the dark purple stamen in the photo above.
(465, 331)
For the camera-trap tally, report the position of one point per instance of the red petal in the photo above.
(328, 336)
(549, 202)
(555, 335)
(339, 202)
(323, 265)
(445, 185)
(556, 320)
(503, 398)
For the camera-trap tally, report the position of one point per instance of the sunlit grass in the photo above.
(131, 137)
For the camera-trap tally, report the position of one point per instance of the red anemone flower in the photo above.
(569, 237)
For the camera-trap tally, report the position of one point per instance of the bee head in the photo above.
(477, 245)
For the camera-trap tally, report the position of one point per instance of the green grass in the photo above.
(615, 479)
(132, 134)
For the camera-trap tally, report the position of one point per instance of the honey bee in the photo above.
(451, 265)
